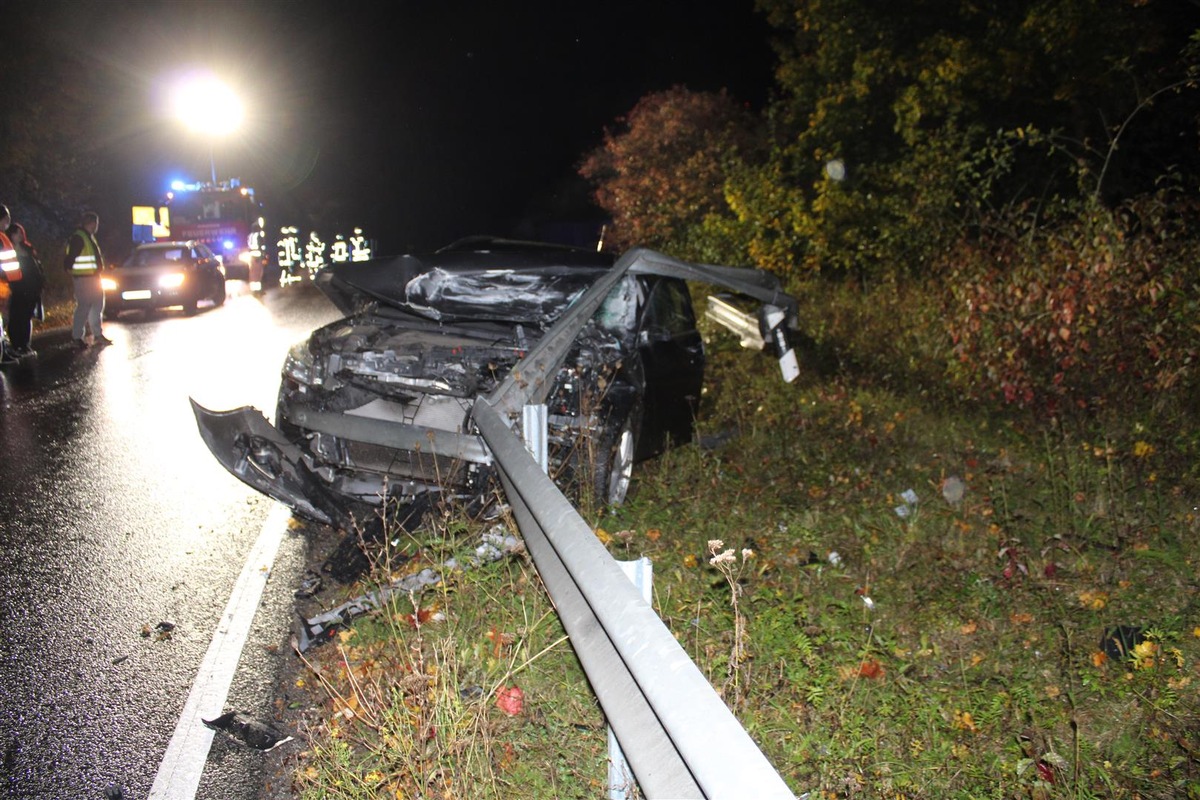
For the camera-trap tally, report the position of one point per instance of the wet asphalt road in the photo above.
(114, 518)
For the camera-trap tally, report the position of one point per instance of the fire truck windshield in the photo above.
(196, 207)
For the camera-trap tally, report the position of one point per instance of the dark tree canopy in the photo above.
(896, 129)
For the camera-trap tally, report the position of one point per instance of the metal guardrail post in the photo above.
(621, 782)
(534, 420)
(620, 779)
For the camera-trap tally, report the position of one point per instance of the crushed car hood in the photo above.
(460, 284)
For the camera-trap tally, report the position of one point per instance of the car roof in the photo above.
(166, 245)
(491, 252)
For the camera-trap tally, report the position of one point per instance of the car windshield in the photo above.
(156, 256)
(192, 208)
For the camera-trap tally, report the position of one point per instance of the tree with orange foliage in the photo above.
(661, 174)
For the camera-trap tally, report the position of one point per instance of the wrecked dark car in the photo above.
(378, 405)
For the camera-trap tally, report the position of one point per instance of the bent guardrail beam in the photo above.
(530, 379)
(677, 734)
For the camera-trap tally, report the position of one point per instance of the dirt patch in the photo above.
(299, 703)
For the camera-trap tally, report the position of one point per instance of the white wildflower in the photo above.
(723, 558)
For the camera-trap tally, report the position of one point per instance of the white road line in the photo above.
(179, 773)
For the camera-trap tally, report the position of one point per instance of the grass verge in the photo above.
(898, 600)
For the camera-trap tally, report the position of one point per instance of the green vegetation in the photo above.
(954, 651)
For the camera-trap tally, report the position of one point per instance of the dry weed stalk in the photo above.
(730, 567)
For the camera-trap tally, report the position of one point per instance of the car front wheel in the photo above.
(614, 460)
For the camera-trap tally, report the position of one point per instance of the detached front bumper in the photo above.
(379, 454)
(256, 453)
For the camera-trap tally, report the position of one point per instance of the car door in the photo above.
(673, 356)
(205, 263)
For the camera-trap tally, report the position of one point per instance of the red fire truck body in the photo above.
(229, 219)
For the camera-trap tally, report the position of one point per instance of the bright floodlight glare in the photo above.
(208, 106)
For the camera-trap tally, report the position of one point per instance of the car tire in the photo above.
(189, 306)
(219, 294)
(614, 461)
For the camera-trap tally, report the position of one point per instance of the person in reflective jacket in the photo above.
(10, 276)
(26, 293)
(84, 262)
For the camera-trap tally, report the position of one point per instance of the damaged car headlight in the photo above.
(301, 367)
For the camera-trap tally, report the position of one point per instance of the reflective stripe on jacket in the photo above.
(88, 260)
(9, 264)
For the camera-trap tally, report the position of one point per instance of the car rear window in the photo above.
(149, 257)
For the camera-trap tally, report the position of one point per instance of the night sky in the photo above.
(420, 121)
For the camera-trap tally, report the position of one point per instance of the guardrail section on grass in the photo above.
(678, 736)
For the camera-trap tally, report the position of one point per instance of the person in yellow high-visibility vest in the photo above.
(85, 262)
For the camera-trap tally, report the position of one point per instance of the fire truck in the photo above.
(225, 215)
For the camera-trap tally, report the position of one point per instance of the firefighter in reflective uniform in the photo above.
(84, 261)
(10, 274)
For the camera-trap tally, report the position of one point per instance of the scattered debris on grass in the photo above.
(322, 627)
(311, 583)
(510, 700)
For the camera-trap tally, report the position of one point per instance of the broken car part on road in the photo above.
(247, 730)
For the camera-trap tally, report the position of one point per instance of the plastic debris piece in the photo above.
(496, 543)
(310, 583)
(904, 510)
(510, 700)
(247, 730)
(868, 602)
(322, 627)
(834, 558)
